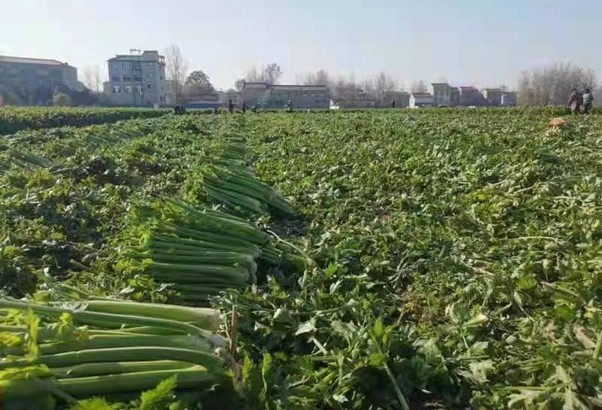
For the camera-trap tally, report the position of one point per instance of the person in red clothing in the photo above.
(574, 102)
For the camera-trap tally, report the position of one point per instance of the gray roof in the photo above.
(24, 60)
(146, 55)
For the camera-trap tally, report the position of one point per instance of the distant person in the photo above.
(216, 110)
(588, 99)
(231, 106)
(393, 104)
(574, 102)
(289, 106)
(244, 106)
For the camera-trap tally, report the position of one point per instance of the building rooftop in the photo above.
(285, 86)
(255, 85)
(298, 87)
(146, 55)
(25, 60)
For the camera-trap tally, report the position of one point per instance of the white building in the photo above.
(418, 100)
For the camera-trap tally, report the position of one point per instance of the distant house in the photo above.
(442, 94)
(509, 99)
(352, 96)
(302, 96)
(33, 81)
(199, 94)
(419, 100)
(278, 95)
(401, 98)
(471, 96)
(200, 98)
(493, 96)
(137, 80)
(257, 94)
(225, 96)
(454, 96)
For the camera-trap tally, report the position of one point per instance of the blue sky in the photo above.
(467, 42)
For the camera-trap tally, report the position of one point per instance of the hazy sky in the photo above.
(478, 42)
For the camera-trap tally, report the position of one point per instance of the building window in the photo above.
(149, 86)
(116, 89)
(127, 78)
(137, 78)
(115, 78)
(128, 88)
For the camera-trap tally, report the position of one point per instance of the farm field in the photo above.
(351, 260)
(13, 119)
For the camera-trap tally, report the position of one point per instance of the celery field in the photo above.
(349, 260)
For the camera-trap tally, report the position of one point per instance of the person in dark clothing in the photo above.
(244, 106)
(230, 106)
(574, 102)
(393, 104)
(588, 99)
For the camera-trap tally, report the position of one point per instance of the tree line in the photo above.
(540, 86)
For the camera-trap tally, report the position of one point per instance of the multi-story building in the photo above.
(454, 96)
(442, 94)
(418, 100)
(509, 99)
(277, 96)
(493, 96)
(137, 80)
(33, 81)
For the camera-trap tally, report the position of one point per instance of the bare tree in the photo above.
(419, 87)
(320, 77)
(272, 73)
(526, 94)
(253, 75)
(369, 87)
(348, 94)
(384, 85)
(551, 85)
(176, 70)
(92, 78)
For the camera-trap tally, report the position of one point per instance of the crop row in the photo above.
(14, 119)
